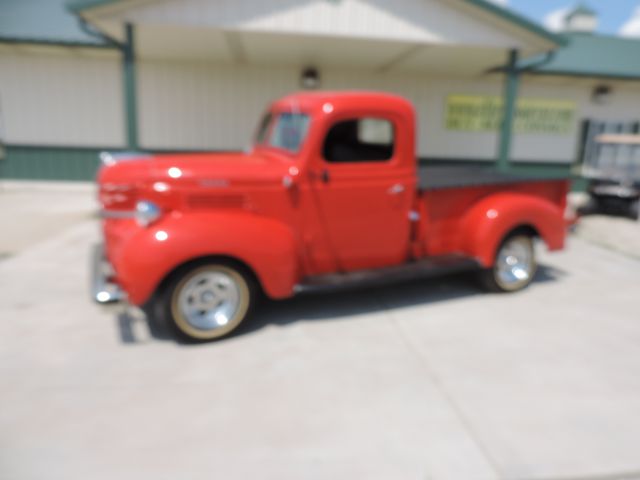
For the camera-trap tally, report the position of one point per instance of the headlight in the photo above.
(147, 213)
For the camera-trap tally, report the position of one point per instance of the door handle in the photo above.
(320, 176)
(396, 189)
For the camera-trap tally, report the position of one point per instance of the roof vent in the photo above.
(581, 19)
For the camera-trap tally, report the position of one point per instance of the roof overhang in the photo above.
(447, 47)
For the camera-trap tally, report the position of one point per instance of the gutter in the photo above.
(548, 58)
(86, 28)
(53, 43)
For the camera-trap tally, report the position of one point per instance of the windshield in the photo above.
(286, 131)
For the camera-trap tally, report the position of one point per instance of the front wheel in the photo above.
(209, 301)
(514, 267)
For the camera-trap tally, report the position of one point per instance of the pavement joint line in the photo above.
(630, 475)
(609, 247)
(462, 418)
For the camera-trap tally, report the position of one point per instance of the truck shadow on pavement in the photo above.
(136, 327)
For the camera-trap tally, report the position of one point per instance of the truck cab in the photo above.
(331, 194)
(357, 172)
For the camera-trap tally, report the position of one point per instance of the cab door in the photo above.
(364, 192)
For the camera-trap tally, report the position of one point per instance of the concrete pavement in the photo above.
(33, 211)
(428, 380)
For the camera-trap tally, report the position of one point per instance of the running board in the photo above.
(427, 268)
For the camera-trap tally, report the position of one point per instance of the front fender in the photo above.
(265, 245)
(486, 225)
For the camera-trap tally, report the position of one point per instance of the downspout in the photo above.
(510, 97)
(129, 72)
(511, 87)
(127, 48)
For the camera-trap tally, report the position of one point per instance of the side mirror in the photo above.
(291, 180)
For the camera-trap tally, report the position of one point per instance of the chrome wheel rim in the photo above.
(515, 263)
(210, 300)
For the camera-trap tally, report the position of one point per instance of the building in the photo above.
(90, 75)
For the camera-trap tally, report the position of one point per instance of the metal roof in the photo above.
(593, 55)
(42, 21)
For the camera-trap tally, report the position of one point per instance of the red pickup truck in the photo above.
(330, 195)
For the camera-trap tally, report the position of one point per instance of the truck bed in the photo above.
(440, 177)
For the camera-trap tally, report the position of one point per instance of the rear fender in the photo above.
(264, 245)
(486, 225)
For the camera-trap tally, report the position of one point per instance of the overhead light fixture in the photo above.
(601, 94)
(310, 78)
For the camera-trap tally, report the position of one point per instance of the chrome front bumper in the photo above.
(103, 290)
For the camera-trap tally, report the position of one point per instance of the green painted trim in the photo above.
(129, 78)
(28, 162)
(50, 163)
(592, 56)
(512, 83)
(78, 5)
(515, 161)
(517, 19)
(53, 43)
(582, 74)
(30, 146)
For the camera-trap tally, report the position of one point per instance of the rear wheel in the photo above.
(514, 266)
(209, 301)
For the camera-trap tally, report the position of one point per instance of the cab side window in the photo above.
(360, 140)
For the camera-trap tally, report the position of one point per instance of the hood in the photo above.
(186, 168)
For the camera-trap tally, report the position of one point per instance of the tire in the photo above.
(209, 301)
(634, 209)
(591, 207)
(514, 267)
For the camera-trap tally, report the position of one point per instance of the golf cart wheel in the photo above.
(634, 209)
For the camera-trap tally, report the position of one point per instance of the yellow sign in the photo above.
(477, 113)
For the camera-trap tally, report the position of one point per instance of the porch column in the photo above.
(129, 78)
(510, 98)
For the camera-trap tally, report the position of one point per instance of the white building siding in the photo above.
(75, 100)
(191, 105)
(204, 106)
(624, 106)
(67, 98)
(194, 105)
(549, 147)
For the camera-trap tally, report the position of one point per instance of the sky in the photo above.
(616, 17)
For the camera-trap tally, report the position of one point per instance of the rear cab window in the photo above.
(366, 139)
